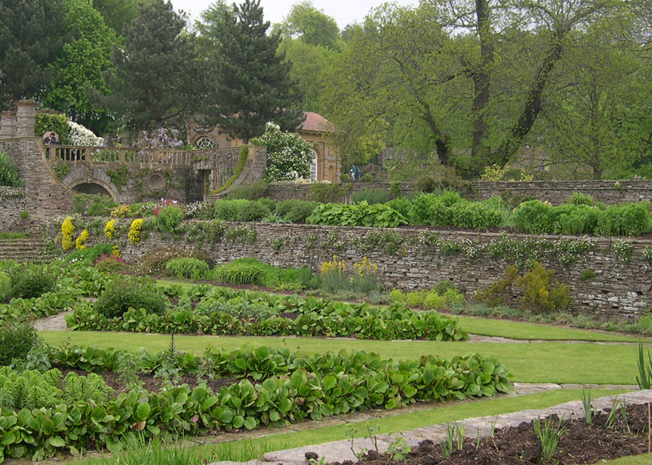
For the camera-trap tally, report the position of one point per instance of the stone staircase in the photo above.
(29, 249)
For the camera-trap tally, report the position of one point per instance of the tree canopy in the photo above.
(251, 83)
(31, 35)
(157, 79)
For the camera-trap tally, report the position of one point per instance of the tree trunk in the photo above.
(482, 82)
(532, 103)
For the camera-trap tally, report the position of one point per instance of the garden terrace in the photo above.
(608, 278)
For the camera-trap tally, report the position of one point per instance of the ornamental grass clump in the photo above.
(187, 268)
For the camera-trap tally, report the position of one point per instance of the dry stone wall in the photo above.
(555, 192)
(609, 278)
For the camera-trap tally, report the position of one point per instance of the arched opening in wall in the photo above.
(91, 188)
(314, 165)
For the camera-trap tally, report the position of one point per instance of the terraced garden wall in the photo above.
(555, 192)
(608, 277)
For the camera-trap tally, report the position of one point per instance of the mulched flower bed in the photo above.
(579, 444)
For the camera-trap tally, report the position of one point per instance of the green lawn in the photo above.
(551, 361)
(533, 331)
(547, 362)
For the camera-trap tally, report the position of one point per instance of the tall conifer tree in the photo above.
(251, 83)
(156, 81)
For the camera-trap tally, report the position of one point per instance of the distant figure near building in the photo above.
(355, 173)
(51, 139)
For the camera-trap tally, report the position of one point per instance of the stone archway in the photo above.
(91, 188)
(94, 181)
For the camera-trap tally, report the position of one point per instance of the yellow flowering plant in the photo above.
(109, 229)
(135, 230)
(67, 232)
(80, 243)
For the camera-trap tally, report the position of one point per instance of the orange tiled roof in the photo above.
(316, 123)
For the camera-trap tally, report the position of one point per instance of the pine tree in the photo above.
(156, 80)
(251, 81)
(31, 34)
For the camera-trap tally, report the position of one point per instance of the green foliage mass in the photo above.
(142, 96)
(82, 62)
(32, 34)
(360, 214)
(9, 175)
(250, 82)
(188, 268)
(58, 124)
(16, 341)
(125, 293)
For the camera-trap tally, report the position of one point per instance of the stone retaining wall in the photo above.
(555, 192)
(602, 281)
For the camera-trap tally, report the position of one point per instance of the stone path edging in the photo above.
(340, 451)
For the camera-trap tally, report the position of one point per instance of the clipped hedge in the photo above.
(298, 388)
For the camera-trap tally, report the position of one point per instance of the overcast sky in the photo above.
(344, 11)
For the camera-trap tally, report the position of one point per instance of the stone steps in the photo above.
(25, 250)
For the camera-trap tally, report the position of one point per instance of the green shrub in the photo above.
(541, 292)
(227, 210)
(252, 211)
(16, 341)
(294, 210)
(169, 219)
(188, 268)
(534, 217)
(368, 177)
(370, 196)
(93, 204)
(499, 292)
(403, 205)
(53, 123)
(578, 198)
(630, 219)
(323, 192)
(89, 254)
(126, 292)
(9, 175)
(395, 189)
(359, 214)
(576, 219)
(5, 287)
(254, 191)
(32, 281)
(426, 184)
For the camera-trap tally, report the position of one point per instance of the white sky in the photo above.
(343, 11)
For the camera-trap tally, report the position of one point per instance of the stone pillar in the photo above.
(25, 118)
(7, 125)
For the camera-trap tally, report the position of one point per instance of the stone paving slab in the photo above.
(340, 451)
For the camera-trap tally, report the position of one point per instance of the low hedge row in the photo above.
(334, 320)
(354, 382)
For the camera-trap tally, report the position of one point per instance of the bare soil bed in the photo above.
(580, 443)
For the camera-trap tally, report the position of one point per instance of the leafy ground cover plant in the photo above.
(291, 387)
(360, 214)
(221, 312)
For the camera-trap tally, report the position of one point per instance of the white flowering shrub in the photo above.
(83, 137)
(288, 155)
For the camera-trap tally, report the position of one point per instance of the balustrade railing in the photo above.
(124, 155)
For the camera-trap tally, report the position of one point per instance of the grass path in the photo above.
(547, 362)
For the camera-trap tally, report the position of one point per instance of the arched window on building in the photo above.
(205, 143)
